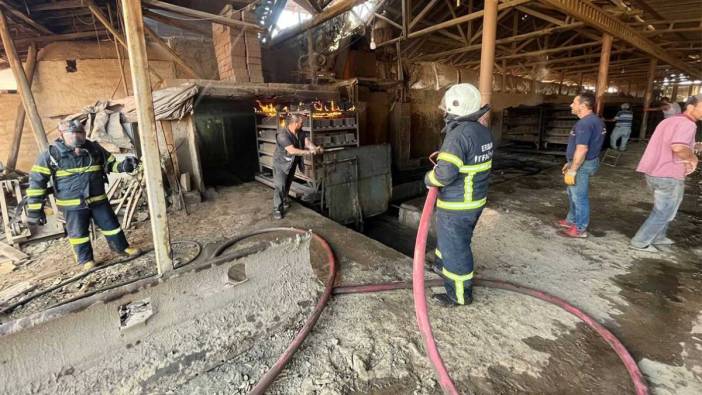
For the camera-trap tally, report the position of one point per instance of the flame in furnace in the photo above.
(267, 109)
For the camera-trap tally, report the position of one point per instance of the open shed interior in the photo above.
(200, 91)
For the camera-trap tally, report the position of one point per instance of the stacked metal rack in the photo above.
(543, 126)
(522, 124)
(327, 126)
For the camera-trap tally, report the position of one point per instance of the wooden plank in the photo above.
(16, 290)
(136, 45)
(14, 254)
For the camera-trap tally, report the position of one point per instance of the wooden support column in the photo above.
(603, 73)
(674, 93)
(580, 81)
(311, 63)
(648, 95)
(560, 83)
(400, 71)
(689, 91)
(487, 52)
(25, 91)
(504, 77)
(405, 18)
(29, 68)
(136, 46)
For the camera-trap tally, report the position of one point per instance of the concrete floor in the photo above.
(503, 343)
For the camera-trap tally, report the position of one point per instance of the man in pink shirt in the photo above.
(668, 158)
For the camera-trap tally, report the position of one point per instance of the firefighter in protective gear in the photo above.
(461, 174)
(77, 170)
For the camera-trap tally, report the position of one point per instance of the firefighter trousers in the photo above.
(454, 231)
(78, 229)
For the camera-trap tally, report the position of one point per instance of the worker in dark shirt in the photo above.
(584, 145)
(292, 144)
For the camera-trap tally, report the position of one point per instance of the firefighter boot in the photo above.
(89, 265)
(131, 252)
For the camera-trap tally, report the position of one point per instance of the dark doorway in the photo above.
(227, 135)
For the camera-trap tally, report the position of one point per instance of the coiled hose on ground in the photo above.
(419, 294)
(418, 286)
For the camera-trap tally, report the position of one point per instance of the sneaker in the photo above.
(664, 242)
(131, 252)
(286, 204)
(564, 223)
(277, 215)
(648, 248)
(89, 265)
(573, 232)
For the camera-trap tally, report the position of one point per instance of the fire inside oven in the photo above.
(329, 124)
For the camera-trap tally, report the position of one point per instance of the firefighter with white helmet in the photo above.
(461, 174)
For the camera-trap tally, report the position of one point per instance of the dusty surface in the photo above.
(504, 343)
(199, 319)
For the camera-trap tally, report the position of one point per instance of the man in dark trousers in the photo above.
(292, 144)
(461, 174)
(582, 153)
(77, 170)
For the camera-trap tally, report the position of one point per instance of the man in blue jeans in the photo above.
(668, 158)
(584, 145)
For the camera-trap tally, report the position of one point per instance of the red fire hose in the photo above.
(418, 286)
(420, 305)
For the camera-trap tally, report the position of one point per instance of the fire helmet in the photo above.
(461, 100)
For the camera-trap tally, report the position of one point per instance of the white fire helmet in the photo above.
(461, 100)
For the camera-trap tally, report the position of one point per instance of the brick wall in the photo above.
(59, 93)
(238, 53)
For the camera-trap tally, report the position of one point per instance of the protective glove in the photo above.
(36, 217)
(569, 177)
(129, 164)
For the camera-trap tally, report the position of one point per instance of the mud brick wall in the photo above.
(238, 52)
(59, 92)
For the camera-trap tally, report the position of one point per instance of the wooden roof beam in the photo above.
(541, 15)
(184, 25)
(203, 15)
(517, 38)
(328, 13)
(599, 19)
(455, 21)
(19, 15)
(58, 5)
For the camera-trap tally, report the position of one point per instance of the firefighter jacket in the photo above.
(77, 179)
(463, 167)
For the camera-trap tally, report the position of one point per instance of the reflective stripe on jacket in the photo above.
(78, 179)
(463, 168)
